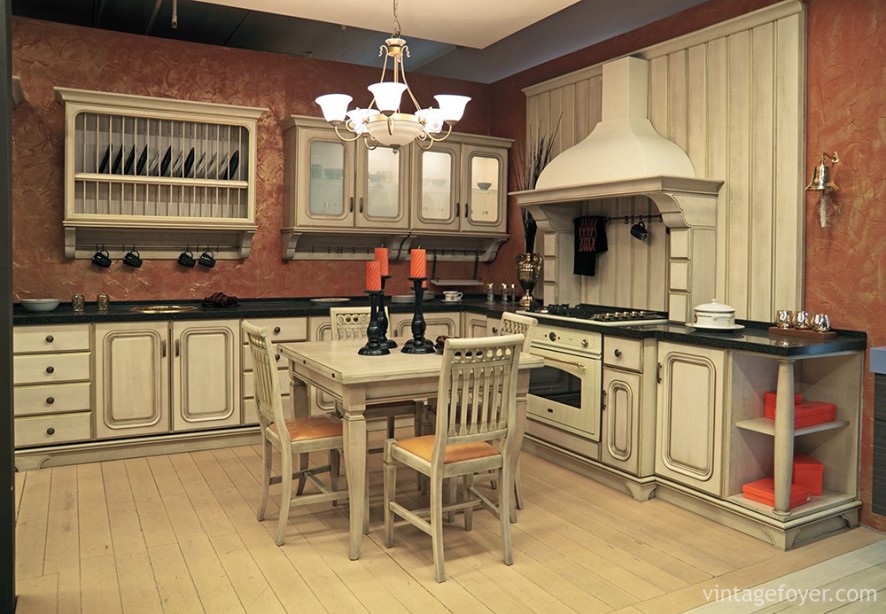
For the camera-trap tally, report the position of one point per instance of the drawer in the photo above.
(247, 364)
(248, 387)
(49, 430)
(284, 329)
(55, 338)
(250, 411)
(51, 399)
(623, 353)
(48, 368)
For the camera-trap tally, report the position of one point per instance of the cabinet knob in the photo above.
(50, 400)
(50, 431)
(276, 330)
(49, 338)
(277, 357)
(617, 353)
(584, 343)
(494, 330)
(50, 369)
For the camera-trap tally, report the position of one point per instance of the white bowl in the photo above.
(39, 304)
(715, 315)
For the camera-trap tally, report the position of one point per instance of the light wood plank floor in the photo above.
(178, 533)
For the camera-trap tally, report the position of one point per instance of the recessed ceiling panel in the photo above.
(468, 23)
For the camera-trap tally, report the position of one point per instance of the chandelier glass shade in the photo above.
(383, 122)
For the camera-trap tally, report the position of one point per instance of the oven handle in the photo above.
(580, 365)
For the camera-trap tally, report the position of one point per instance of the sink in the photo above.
(164, 308)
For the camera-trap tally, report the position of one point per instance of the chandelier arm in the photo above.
(441, 138)
(344, 138)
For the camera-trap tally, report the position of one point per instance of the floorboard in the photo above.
(178, 533)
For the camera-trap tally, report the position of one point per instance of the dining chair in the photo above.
(351, 323)
(297, 436)
(475, 421)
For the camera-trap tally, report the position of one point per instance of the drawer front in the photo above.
(248, 387)
(284, 329)
(623, 353)
(53, 398)
(49, 430)
(49, 368)
(250, 411)
(56, 338)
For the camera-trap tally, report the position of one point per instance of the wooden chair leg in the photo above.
(469, 511)
(266, 452)
(437, 528)
(504, 516)
(334, 468)
(285, 495)
(302, 465)
(390, 490)
(518, 489)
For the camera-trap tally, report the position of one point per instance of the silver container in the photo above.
(103, 301)
(78, 302)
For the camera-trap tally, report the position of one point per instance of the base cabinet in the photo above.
(153, 377)
(690, 416)
(281, 330)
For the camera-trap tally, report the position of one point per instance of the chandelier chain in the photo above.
(396, 33)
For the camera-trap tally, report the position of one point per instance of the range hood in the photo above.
(624, 156)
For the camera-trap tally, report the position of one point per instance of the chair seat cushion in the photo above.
(423, 447)
(315, 427)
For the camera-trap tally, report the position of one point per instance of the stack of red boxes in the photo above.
(806, 414)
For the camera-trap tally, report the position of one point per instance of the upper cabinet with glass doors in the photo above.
(333, 183)
(460, 185)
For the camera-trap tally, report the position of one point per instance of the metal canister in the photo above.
(78, 302)
(104, 301)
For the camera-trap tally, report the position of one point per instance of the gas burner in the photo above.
(604, 316)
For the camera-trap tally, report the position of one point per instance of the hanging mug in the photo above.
(101, 258)
(132, 258)
(207, 259)
(638, 231)
(186, 258)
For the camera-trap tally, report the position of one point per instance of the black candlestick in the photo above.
(373, 345)
(383, 316)
(418, 344)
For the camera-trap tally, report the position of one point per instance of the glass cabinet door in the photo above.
(381, 189)
(326, 194)
(484, 189)
(436, 190)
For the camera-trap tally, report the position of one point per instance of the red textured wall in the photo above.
(846, 98)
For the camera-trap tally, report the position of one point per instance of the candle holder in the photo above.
(418, 344)
(383, 316)
(373, 345)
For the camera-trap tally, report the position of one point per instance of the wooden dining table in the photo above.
(356, 381)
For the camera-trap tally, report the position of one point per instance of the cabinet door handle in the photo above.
(178, 347)
(276, 330)
(457, 209)
(163, 348)
(351, 209)
(494, 330)
(50, 369)
(467, 205)
(603, 401)
(361, 204)
(50, 431)
(49, 338)
(617, 353)
(50, 400)
(277, 357)
(658, 374)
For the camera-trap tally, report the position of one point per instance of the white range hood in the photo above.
(625, 156)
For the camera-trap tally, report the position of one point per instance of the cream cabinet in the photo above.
(474, 325)
(690, 416)
(461, 185)
(153, 377)
(157, 174)
(436, 324)
(52, 389)
(342, 187)
(281, 330)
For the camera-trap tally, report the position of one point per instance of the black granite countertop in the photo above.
(754, 337)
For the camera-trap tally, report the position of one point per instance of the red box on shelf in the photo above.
(808, 473)
(769, 403)
(763, 491)
(809, 413)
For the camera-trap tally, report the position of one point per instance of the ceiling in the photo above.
(475, 40)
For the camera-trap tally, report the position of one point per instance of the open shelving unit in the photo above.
(157, 174)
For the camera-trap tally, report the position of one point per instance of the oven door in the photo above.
(565, 393)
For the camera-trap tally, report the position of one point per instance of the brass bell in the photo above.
(821, 180)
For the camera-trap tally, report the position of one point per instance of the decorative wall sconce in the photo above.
(822, 182)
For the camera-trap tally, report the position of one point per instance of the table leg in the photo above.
(354, 433)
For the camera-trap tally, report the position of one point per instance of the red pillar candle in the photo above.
(417, 264)
(381, 256)
(373, 276)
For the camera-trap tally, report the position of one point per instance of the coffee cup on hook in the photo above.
(638, 231)
(186, 258)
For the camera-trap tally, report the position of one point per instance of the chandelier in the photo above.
(383, 122)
